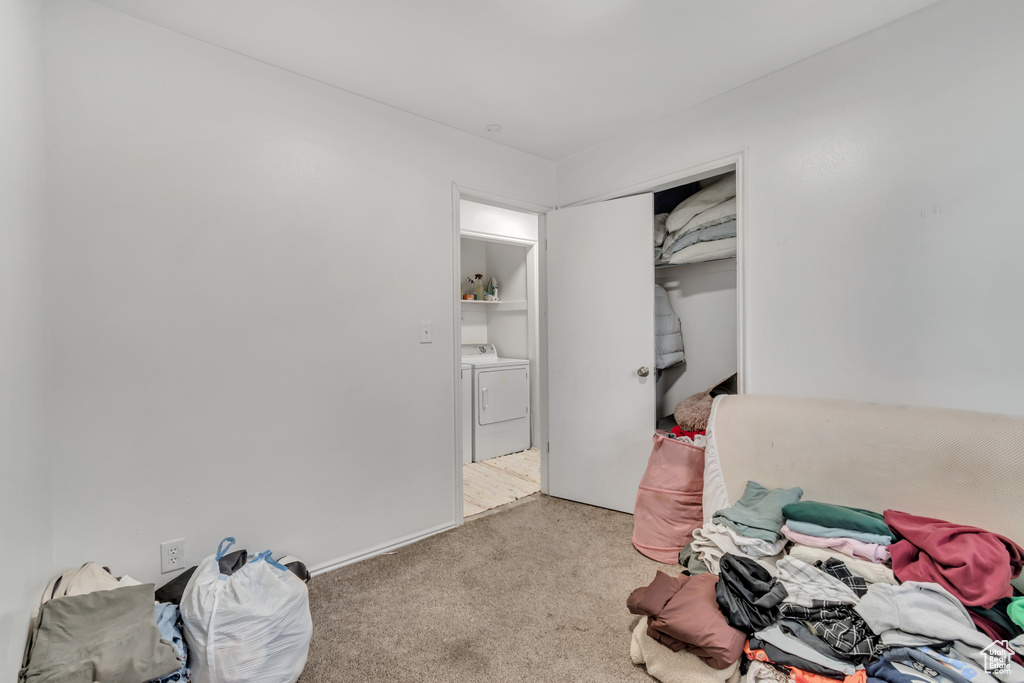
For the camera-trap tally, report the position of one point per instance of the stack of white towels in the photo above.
(701, 228)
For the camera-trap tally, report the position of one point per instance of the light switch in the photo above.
(426, 332)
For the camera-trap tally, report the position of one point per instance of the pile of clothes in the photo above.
(780, 589)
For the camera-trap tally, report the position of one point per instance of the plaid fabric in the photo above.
(838, 569)
(806, 584)
(838, 625)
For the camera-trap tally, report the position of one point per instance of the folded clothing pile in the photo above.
(858, 533)
(683, 614)
(701, 228)
(825, 592)
(752, 527)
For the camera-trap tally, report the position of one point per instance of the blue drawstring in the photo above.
(222, 549)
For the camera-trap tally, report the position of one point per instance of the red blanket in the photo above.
(973, 564)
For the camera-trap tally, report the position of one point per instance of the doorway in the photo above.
(600, 284)
(497, 364)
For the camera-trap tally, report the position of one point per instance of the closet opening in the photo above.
(499, 352)
(695, 275)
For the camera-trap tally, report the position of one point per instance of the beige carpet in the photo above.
(497, 481)
(533, 592)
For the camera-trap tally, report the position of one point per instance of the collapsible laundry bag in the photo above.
(668, 502)
(253, 626)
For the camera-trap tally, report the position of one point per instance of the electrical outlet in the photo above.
(172, 556)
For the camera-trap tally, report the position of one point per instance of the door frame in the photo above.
(536, 310)
(689, 174)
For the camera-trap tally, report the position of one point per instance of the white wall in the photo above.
(238, 262)
(703, 295)
(885, 233)
(508, 329)
(482, 323)
(25, 529)
(485, 219)
(473, 254)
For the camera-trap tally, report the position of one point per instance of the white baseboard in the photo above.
(378, 550)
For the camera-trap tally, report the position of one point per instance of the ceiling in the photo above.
(560, 76)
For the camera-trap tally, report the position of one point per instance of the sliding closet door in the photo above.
(601, 399)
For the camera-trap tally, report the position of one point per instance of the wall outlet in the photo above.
(172, 556)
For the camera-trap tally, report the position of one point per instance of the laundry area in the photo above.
(499, 354)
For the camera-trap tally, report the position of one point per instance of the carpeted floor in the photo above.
(534, 592)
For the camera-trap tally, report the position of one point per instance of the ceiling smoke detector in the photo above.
(494, 128)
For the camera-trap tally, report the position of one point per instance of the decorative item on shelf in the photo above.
(492, 290)
(478, 286)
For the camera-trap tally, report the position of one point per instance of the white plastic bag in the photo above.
(251, 627)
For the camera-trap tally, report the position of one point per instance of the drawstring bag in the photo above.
(668, 501)
(253, 626)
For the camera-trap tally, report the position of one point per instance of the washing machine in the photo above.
(501, 401)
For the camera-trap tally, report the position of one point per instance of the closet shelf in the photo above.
(494, 305)
(661, 266)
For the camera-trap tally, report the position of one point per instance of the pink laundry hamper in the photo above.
(668, 501)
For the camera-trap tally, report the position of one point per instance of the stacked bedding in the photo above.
(824, 592)
(701, 228)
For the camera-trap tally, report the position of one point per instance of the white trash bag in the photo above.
(251, 627)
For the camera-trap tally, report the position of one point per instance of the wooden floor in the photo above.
(498, 481)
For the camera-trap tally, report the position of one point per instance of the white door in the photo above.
(600, 290)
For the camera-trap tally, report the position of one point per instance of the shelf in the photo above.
(660, 266)
(494, 305)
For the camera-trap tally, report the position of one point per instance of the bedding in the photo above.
(668, 336)
(659, 228)
(722, 213)
(718, 231)
(705, 251)
(704, 199)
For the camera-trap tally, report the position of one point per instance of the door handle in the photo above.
(643, 371)
(483, 398)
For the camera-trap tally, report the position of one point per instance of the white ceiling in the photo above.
(559, 75)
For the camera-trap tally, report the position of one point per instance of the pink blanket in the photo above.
(872, 552)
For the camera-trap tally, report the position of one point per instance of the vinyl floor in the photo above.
(497, 481)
